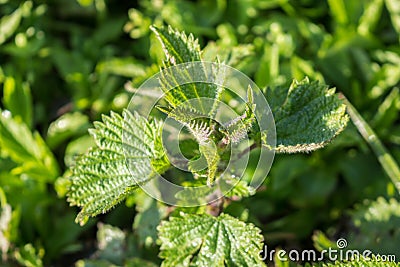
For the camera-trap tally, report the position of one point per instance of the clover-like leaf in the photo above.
(109, 172)
(204, 240)
(308, 115)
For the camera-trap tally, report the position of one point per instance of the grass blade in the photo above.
(385, 158)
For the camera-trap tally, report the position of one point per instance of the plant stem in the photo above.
(385, 158)
(247, 150)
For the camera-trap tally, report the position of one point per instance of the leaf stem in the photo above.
(247, 150)
(384, 157)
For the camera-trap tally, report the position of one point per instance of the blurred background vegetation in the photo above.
(64, 63)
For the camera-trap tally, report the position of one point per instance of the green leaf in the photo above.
(379, 210)
(17, 99)
(66, 126)
(5, 224)
(113, 249)
(17, 140)
(322, 242)
(127, 67)
(180, 48)
(307, 115)
(198, 124)
(204, 240)
(210, 152)
(77, 147)
(237, 129)
(394, 11)
(376, 226)
(29, 257)
(111, 243)
(239, 188)
(146, 220)
(27, 149)
(236, 56)
(338, 11)
(194, 193)
(94, 263)
(101, 178)
(370, 17)
(9, 24)
(387, 112)
(138, 24)
(177, 46)
(185, 101)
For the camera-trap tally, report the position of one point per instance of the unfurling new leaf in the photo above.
(237, 129)
(204, 240)
(128, 153)
(178, 85)
(185, 101)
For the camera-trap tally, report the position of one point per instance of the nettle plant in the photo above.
(129, 154)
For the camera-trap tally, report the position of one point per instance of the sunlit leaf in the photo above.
(394, 11)
(109, 172)
(180, 48)
(27, 149)
(127, 67)
(307, 115)
(9, 24)
(66, 126)
(28, 255)
(204, 240)
(17, 98)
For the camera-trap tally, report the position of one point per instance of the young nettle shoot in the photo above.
(129, 153)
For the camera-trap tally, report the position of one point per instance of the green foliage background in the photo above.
(64, 63)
